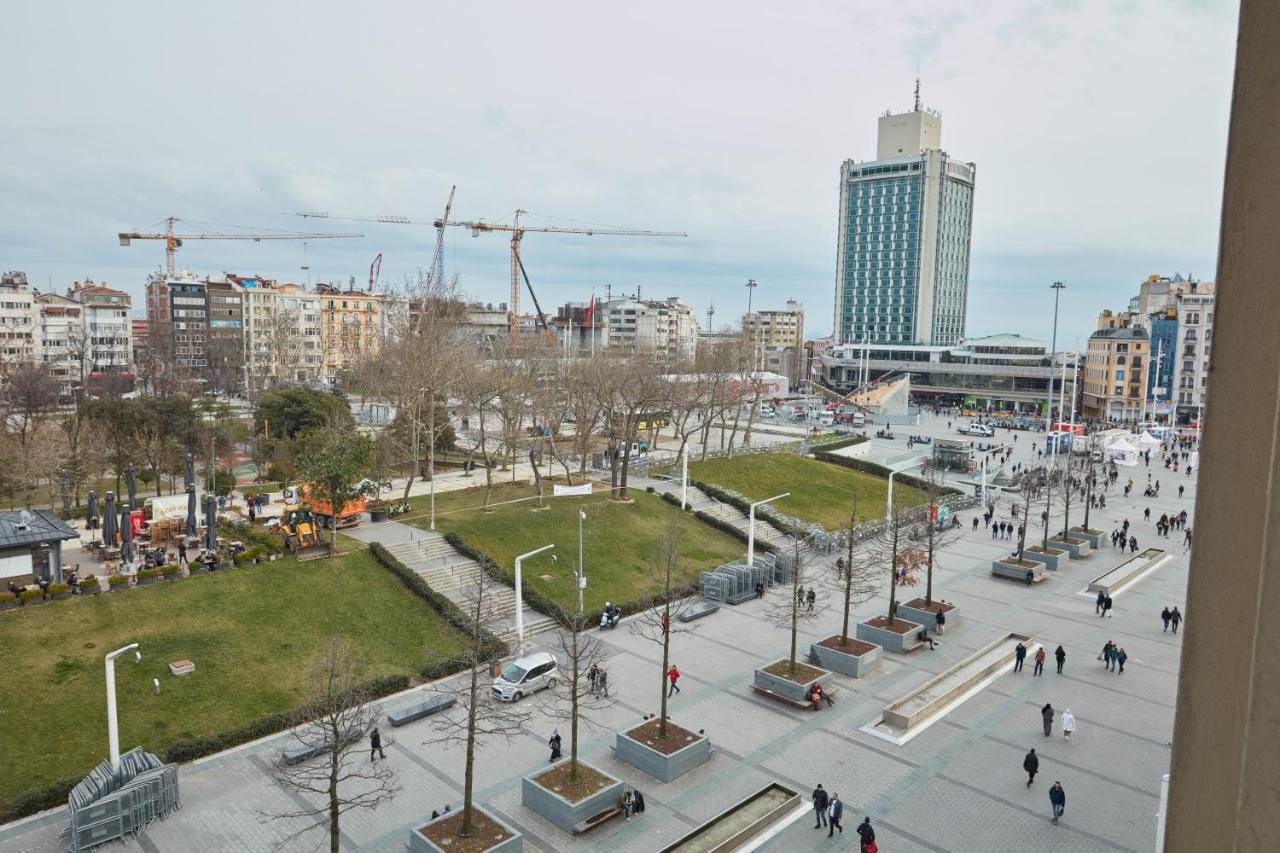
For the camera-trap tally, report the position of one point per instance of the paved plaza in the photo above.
(957, 786)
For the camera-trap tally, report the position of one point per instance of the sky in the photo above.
(1098, 129)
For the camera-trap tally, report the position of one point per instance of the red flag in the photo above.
(591, 310)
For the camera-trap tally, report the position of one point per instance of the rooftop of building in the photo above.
(32, 527)
(1123, 333)
(1012, 341)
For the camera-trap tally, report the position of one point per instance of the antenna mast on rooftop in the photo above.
(917, 94)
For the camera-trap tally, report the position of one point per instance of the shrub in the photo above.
(7, 598)
(223, 483)
(117, 580)
(532, 597)
(879, 471)
(839, 443)
(59, 589)
(147, 573)
(89, 581)
(491, 646)
(49, 797)
(724, 526)
(190, 750)
(744, 506)
(30, 594)
(252, 534)
(169, 570)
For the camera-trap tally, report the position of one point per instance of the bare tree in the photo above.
(789, 611)
(1090, 474)
(338, 715)
(898, 552)
(855, 573)
(583, 654)
(937, 535)
(31, 396)
(661, 611)
(1028, 490)
(483, 719)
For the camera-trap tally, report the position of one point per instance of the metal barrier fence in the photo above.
(109, 804)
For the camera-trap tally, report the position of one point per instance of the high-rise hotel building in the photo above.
(902, 266)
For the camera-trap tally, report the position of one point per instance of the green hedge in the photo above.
(190, 750)
(744, 506)
(491, 648)
(839, 443)
(253, 535)
(50, 797)
(880, 471)
(674, 499)
(30, 594)
(114, 581)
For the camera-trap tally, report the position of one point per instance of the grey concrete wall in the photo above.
(664, 768)
(1052, 562)
(1225, 776)
(888, 639)
(784, 687)
(560, 811)
(926, 617)
(420, 844)
(845, 664)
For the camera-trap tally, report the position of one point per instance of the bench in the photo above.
(299, 754)
(1018, 573)
(794, 703)
(434, 705)
(697, 611)
(595, 820)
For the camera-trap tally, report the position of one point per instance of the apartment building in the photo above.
(60, 326)
(18, 341)
(351, 329)
(779, 339)
(178, 319)
(665, 327)
(1115, 370)
(1191, 354)
(108, 330)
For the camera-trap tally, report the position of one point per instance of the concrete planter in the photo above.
(1012, 571)
(890, 640)
(144, 581)
(560, 811)
(1095, 540)
(1052, 562)
(926, 618)
(419, 843)
(1079, 548)
(845, 663)
(785, 687)
(90, 588)
(197, 569)
(8, 605)
(663, 767)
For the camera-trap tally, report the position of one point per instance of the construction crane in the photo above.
(518, 231)
(172, 241)
(374, 269)
(542, 318)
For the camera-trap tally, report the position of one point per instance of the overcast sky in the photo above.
(1098, 128)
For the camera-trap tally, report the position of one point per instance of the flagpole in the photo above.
(593, 322)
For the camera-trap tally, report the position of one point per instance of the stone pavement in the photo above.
(958, 786)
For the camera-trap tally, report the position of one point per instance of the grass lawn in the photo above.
(820, 491)
(252, 633)
(619, 543)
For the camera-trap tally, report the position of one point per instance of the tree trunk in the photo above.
(666, 665)
(335, 762)
(573, 699)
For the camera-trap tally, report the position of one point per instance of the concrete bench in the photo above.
(794, 703)
(1017, 573)
(595, 820)
(434, 705)
(740, 597)
(299, 754)
(697, 611)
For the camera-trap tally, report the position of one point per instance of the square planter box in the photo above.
(890, 640)
(1079, 548)
(8, 605)
(799, 691)
(194, 569)
(1051, 561)
(90, 589)
(511, 841)
(665, 767)
(1095, 539)
(144, 581)
(562, 812)
(856, 664)
(916, 610)
(1006, 568)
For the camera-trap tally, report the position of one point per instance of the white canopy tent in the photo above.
(1147, 441)
(1122, 452)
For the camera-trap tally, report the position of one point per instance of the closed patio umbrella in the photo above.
(109, 520)
(210, 523)
(131, 481)
(91, 514)
(189, 472)
(126, 536)
(191, 511)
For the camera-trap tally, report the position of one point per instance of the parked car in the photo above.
(977, 429)
(525, 675)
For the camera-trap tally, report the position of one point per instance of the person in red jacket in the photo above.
(673, 675)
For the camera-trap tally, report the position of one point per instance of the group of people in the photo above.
(817, 694)
(1171, 618)
(1102, 605)
(1020, 656)
(1113, 656)
(806, 598)
(1057, 794)
(1005, 530)
(828, 811)
(598, 680)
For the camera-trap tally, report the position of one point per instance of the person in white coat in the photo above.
(1068, 723)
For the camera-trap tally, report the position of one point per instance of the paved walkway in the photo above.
(958, 786)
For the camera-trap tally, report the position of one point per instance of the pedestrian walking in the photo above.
(182, 552)
(995, 531)
(1146, 514)
(253, 513)
(800, 596)
(1102, 596)
(1165, 616)
(837, 813)
(638, 803)
(1061, 655)
(975, 525)
(866, 836)
(1019, 654)
(554, 743)
(375, 744)
(1106, 605)
(820, 803)
(1180, 488)
(940, 621)
(602, 683)
(1058, 800)
(1176, 619)
(811, 597)
(1031, 764)
(1039, 668)
(1121, 657)
(673, 675)
(1046, 717)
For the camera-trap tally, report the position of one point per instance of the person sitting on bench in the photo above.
(817, 695)
(924, 637)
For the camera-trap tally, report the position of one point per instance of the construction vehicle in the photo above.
(298, 530)
(302, 497)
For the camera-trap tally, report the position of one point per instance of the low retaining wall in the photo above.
(926, 617)
(741, 822)
(890, 640)
(1017, 573)
(1052, 562)
(935, 693)
(1110, 581)
(419, 843)
(786, 687)
(1095, 539)
(1079, 548)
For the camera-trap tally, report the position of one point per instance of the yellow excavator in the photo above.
(300, 533)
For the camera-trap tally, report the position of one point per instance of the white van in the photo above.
(525, 675)
(977, 429)
(826, 419)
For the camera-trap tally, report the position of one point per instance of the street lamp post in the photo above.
(906, 466)
(684, 476)
(751, 526)
(582, 572)
(113, 726)
(520, 599)
(1057, 287)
